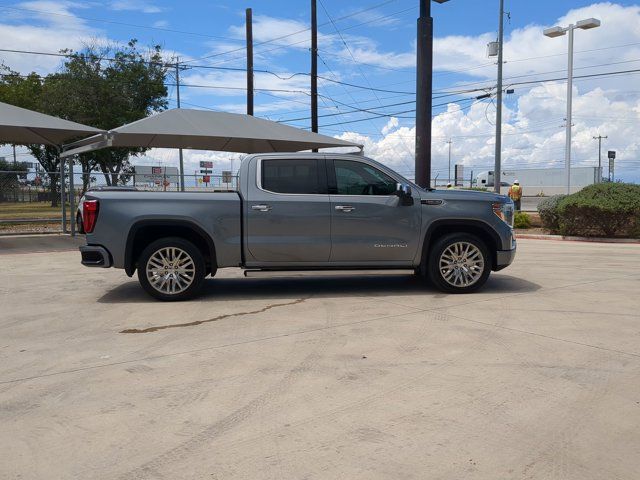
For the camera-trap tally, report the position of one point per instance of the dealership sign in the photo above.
(150, 174)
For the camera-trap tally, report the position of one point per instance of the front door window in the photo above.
(357, 178)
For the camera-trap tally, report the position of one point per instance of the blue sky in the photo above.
(371, 43)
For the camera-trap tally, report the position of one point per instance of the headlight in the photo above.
(504, 211)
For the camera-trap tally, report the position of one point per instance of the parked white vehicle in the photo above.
(543, 181)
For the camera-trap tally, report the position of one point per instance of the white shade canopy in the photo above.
(208, 130)
(26, 127)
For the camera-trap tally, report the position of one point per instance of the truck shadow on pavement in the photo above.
(318, 287)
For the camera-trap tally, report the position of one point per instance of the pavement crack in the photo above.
(214, 319)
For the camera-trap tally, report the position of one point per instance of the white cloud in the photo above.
(285, 35)
(391, 125)
(55, 28)
(534, 141)
(136, 6)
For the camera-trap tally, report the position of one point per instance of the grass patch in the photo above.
(9, 211)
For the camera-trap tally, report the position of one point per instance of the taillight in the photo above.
(89, 215)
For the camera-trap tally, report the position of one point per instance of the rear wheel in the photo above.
(171, 269)
(459, 263)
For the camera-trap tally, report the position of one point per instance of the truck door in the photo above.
(369, 222)
(288, 211)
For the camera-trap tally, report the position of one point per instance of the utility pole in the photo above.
(424, 88)
(497, 169)
(449, 142)
(249, 22)
(599, 138)
(15, 160)
(314, 67)
(178, 102)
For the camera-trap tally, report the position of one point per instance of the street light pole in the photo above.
(567, 147)
(424, 92)
(558, 32)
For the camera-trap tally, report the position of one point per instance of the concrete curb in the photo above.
(532, 236)
(30, 220)
(31, 234)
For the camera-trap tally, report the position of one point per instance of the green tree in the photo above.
(10, 173)
(33, 92)
(104, 87)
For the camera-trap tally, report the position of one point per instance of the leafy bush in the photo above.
(548, 210)
(522, 220)
(603, 209)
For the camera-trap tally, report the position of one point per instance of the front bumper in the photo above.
(95, 256)
(504, 258)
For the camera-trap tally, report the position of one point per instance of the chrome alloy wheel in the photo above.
(170, 270)
(461, 264)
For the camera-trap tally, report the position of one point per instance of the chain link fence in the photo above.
(33, 202)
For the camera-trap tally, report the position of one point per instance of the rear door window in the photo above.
(293, 176)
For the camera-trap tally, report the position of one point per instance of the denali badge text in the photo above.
(391, 245)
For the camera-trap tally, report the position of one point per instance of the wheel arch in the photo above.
(478, 228)
(144, 232)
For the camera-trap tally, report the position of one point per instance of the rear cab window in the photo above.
(303, 176)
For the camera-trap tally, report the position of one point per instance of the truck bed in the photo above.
(218, 214)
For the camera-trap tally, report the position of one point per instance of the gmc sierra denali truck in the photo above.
(300, 211)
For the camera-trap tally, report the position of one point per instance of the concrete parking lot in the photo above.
(323, 377)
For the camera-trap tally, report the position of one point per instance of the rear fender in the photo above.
(167, 228)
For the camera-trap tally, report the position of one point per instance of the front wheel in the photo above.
(459, 263)
(171, 269)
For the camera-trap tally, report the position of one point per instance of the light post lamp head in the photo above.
(588, 23)
(554, 32)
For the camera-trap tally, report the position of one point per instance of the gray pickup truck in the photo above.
(302, 211)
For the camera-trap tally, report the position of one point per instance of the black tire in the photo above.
(184, 249)
(438, 275)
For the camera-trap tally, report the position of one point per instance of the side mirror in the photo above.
(403, 190)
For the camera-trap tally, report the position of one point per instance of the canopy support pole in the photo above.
(72, 200)
(63, 204)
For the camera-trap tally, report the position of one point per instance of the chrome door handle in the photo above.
(345, 208)
(261, 208)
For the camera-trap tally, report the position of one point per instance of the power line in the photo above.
(359, 12)
(113, 22)
(333, 23)
(354, 110)
(370, 88)
(398, 115)
(287, 76)
(306, 40)
(445, 92)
